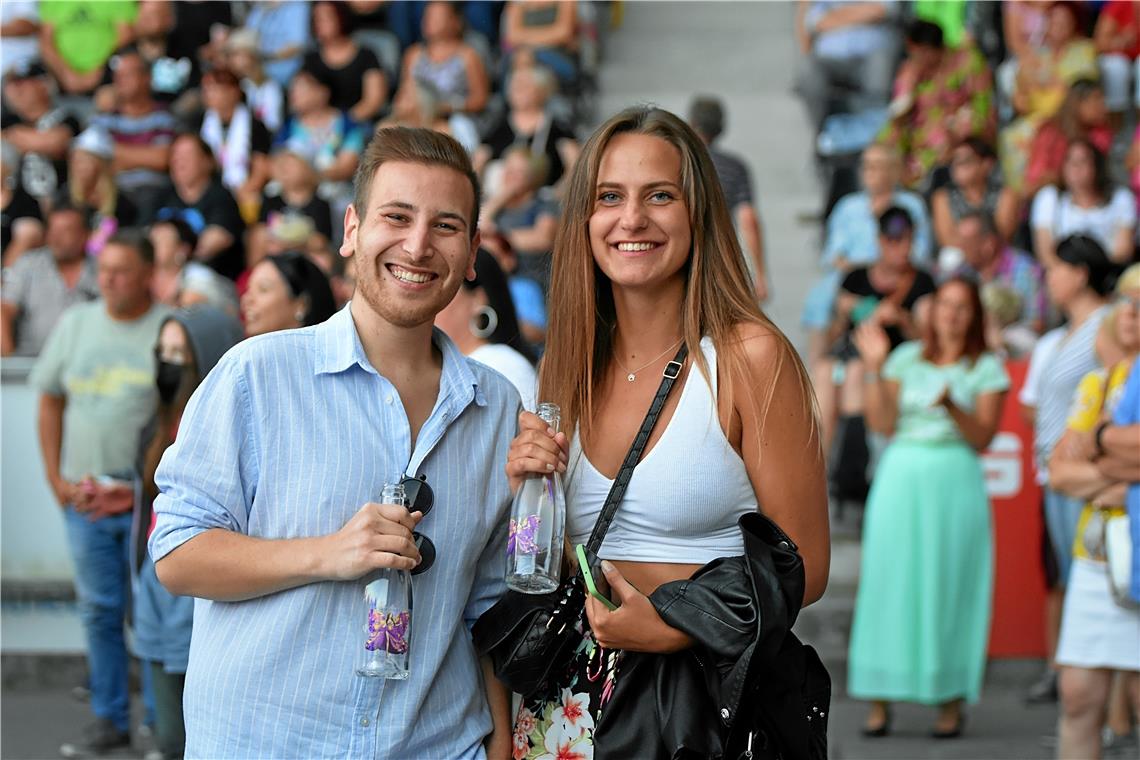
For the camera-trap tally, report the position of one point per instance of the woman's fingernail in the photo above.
(549, 467)
(607, 566)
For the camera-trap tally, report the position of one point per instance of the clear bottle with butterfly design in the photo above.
(383, 652)
(538, 525)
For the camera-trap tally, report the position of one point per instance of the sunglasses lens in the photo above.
(427, 553)
(420, 496)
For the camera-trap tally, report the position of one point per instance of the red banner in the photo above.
(1018, 627)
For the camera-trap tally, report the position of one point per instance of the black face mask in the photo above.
(168, 378)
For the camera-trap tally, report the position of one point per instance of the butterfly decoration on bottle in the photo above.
(387, 632)
(522, 536)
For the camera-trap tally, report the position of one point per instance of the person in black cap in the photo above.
(887, 293)
(37, 128)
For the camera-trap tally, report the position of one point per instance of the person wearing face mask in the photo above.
(190, 343)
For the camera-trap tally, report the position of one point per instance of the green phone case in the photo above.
(589, 577)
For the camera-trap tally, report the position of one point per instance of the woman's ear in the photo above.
(302, 308)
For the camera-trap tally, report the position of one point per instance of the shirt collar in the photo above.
(339, 348)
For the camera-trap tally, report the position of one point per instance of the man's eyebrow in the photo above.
(405, 206)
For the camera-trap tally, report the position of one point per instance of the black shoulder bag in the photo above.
(531, 636)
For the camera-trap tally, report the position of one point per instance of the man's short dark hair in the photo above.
(984, 219)
(706, 116)
(131, 237)
(64, 206)
(186, 234)
(924, 33)
(895, 222)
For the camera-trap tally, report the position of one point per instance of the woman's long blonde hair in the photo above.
(718, 295)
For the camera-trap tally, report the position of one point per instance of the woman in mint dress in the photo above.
(922, 612)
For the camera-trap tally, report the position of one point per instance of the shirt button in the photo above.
(364, 722)
(388, 400)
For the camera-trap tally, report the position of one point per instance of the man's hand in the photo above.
(377, 536)
(67, 493)
(107, 500)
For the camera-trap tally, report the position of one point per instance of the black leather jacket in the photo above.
(748, 687)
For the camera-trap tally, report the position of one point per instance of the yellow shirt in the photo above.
(1096, 396)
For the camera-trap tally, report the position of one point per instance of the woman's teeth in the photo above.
(632, 247)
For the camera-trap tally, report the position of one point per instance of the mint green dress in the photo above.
(922, 612)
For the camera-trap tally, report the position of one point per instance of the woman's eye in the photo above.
(661, 197)
(608, 197)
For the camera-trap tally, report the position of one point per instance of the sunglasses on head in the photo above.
(420, 499)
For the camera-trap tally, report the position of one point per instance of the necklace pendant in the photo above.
(631, 377)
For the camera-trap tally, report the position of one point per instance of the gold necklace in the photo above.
(632, 374)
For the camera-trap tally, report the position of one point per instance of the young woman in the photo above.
(923, 605)
(972, 188)
(190, 343)
(646, 259)
(446, 64)
(481, 321)
(285, 292)
(353, 73)
(1083, 115)
(1084, 202)
(1098, 636)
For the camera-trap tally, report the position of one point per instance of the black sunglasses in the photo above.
(420, 499)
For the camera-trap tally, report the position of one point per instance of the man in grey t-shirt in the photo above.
(43, 283)
(96, 376)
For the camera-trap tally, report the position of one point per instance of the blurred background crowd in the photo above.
(189, 164)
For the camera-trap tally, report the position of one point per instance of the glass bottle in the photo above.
(388, 601)
(538, 524)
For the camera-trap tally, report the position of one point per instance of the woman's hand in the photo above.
(635, 625)
(873, 345)
(536, 450)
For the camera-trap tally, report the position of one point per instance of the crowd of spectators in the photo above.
(996, 218)
(175, 178)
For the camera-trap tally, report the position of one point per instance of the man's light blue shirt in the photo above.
(1128, 413)
(287, 438)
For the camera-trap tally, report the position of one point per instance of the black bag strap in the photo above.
(621, 482)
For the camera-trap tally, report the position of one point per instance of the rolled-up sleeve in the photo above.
(208, 476)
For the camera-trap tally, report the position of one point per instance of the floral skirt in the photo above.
(559, 724)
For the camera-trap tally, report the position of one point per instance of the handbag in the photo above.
(1118, 559)
(530, 636)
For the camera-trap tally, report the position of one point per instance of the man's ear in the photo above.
(475, 242)
(351, 223)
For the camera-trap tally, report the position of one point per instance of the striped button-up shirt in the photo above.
(287, 438)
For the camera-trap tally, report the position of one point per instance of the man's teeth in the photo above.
(406, 276)
(635, 246)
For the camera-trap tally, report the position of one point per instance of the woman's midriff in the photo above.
(647, 576)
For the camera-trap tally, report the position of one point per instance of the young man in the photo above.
(268, 513)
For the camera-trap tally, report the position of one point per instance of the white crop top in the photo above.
(685, 496)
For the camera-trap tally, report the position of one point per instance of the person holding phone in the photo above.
(646, 259)
(923, 605)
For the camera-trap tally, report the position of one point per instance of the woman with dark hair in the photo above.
(972, 189)
(353, 73)
(1083, 115)
(923, 607)
(481, 320)
(1084, 203)
(285, 292)
(646, 261)
(198, 196)
(190, 343)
